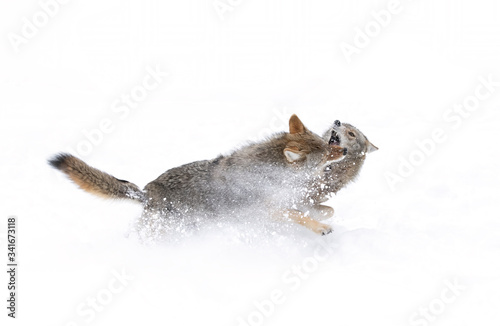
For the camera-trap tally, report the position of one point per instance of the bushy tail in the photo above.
(95, 181)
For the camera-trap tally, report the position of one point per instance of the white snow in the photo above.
(392, 253)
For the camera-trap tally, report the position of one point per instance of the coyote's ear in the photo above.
(371, 148)
(293, 154)
(296, 126)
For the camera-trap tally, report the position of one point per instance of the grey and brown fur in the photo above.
(273, 173)
(338, 174)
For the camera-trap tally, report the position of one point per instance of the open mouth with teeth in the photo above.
(334, 138)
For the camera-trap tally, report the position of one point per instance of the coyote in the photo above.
(273, 173)
(338, 174)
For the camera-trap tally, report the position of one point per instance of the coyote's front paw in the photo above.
(323, 229)
(322, 212)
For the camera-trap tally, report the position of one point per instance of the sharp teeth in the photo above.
(334, 139)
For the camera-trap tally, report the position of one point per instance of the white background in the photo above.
(235, 79)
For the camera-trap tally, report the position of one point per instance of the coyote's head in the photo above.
(348, 136)
(306, 149)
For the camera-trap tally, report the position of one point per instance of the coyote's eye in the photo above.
(351, 134)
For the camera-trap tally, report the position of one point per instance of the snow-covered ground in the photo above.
(417, 237)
